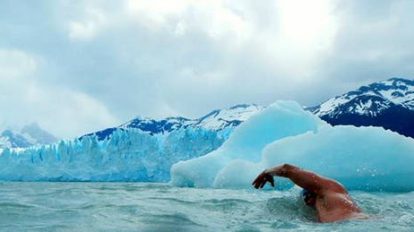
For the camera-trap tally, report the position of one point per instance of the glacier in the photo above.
(142, 149)
(130, 155)
(361, 158)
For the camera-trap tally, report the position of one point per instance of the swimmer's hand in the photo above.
(261, 180)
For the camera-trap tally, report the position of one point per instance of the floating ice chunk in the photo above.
(361, 158)
(282, 119)
(364, 158)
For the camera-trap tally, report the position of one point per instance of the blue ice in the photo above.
(129, 155)
(361, 158)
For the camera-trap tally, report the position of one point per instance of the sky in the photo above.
(80, 66)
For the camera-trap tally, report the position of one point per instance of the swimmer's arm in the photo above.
(300, 177)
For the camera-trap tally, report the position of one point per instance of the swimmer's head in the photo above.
(308, 197)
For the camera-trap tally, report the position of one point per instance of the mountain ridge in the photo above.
(30, 135)
(388, 104)
(217, 120)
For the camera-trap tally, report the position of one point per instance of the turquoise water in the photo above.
(160, 207)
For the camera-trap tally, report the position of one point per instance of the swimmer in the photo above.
(330, 199)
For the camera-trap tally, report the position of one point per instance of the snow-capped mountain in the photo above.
(37, 134)
(28, 136)
(139, 150)
(389, 104)
(144, 149)
(218, 120)
(12, 139)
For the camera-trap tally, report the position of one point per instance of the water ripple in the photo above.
(160, 207)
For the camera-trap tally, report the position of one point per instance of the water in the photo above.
(160, 207)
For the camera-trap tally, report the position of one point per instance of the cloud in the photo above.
(99, 63)
(370, 45)
(78, 112)
(87, 28)
(15, 64)
(24, 98)
(245, 46)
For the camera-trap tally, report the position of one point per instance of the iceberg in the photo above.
(244, 147)
(361, 158)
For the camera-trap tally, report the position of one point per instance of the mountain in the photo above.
(221, 121)
(37, 134)
(29, 135)
(12, 139)
(140, 150)
(144, 149)
(388, 104)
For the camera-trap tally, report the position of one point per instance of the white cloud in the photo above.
(16, 64)
(110, 60)
(65, 112)
(24, 98)
(278, 44)
(187, 16)
(155, 12)
(87, 28)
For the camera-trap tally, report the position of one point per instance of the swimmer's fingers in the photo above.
(263, 183)
(259, 181)
(271, 180)
(254, 183)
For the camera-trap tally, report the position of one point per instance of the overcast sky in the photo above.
(79, 66)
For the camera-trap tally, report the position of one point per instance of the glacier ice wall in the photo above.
(364, 158)
(129, 155)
